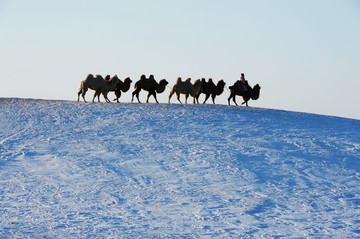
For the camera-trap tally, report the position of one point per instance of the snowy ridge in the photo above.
(76, 170)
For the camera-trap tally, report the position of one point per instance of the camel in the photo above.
(99, 85)
(187, 88)
(252, 93)
(150, 85)
(209, 88)
(121, 86)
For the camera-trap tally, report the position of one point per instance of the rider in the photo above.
(243, 83)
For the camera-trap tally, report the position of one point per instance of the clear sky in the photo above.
(304, 54)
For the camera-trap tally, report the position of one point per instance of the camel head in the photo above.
(257, 87)
(221, 83)
(163, 82)
(127, 80)
(161, 86)
(255, 94)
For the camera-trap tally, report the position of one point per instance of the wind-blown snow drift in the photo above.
(75, 170)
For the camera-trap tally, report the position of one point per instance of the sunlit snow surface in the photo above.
(76, 170)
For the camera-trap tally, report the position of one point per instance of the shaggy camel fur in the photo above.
(187, 88)
(252, 93)
(149, 85)
(99, 85)
(209, 88)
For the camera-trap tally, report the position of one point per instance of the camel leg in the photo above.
(83, 94)
(117, 94)
(132, 98)
(186, 98)
(79, 93)
(148, 96)
(229, 99)
(234, 100)
(154, 94)
(213, 98)
(206, 98)
(197, 98)
(94, 97)
(151, 93)
(246, 99)
(105, 97)
(178, 97)
(245, 102)
(136, 93)
(97, 93)
(171, 94)
(137, 97)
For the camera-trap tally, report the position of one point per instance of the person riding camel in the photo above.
(243, 83)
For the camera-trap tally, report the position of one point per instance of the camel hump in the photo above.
(98, 77)
(188, 80)
(178, 80)
(163, 82)
(115, 77)
(89, 76)
(151, 77)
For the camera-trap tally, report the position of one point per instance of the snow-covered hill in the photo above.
(76, 170)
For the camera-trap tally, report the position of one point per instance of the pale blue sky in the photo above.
(304, 54)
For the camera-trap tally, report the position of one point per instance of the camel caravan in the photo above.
(105, 85)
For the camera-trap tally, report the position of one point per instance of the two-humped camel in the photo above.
(99, 85)
(186, 88)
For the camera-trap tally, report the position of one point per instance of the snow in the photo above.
(76, 170)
